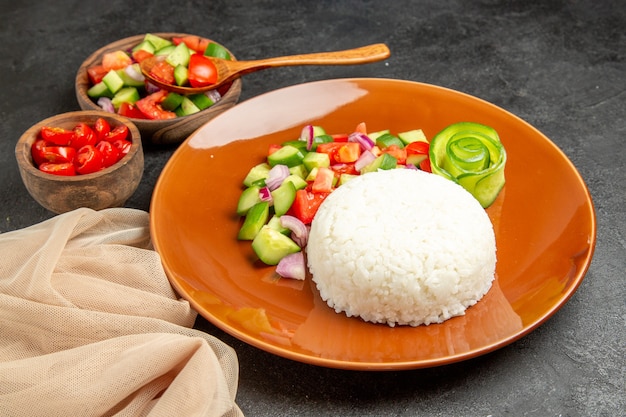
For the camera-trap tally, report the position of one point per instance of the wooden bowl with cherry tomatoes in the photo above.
(79, 159)
(155, 124)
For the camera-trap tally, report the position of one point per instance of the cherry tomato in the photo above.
(129, 110)
(88, 159)
(64, 169)
(57, 135)
(37, 150)
(101, 127)
(202, 71)
(163, 72)
(83, 135)
(59, 154)
(151, 108)
(110, 153)
(123, 146)
(118, 132)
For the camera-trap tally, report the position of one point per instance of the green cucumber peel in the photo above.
(471, 155)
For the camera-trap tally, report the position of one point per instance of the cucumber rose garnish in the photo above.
(472, 155)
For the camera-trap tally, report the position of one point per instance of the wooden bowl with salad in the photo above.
(110, 80)
(90, 159)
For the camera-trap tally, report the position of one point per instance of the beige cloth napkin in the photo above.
(90, 326)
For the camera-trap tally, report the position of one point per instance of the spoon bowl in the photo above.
(228, 70)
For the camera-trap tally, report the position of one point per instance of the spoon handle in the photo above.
(361, 55)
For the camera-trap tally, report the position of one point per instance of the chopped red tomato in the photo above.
(324, 180)
(340, 137)
(340, 152)
(83, 135)
(151, 108)
(306, 204)
(57, 135)
(116, 60)
(361, 128)
(95, 73)
(349, 152)
(163, 72)
(195, 43)
(64, 169)
(202, 71)
(141, 54)
(110, 153)
(88, 159)
(130, 110)
(417, 153)
(417, 147)
(425, 165)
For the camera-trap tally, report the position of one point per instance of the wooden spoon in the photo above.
(228, 70)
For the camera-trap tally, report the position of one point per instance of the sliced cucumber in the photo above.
(287, 155)
(416, 135)
(172, 101)
(255, 219)
(387, 139)
(113, 81)
(283, 197)
(271, 246)
(181, 75)
(248, 198)
(202, 101)
(157, 41)
(384, 161)
(257, 173)
(179, 55)
(315, 159)
(99, 90)
(126, 94)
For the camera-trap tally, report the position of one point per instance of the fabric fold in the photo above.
(90, 326)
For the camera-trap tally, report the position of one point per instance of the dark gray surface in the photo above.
(557, 64)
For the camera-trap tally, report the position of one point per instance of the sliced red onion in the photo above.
(151, 88)
(292, 266)
(106, 104)
(362, 139)
(299, 231)
(307, 135)
(133, 73)
(364, 160)
(410, 166)
(214, 95)
(265, 194)
(276, 176)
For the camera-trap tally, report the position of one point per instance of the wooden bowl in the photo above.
(170, 131)
(109, 187)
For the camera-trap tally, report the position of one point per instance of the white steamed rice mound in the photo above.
(401, 247)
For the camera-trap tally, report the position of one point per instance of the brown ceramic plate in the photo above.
(544, 222)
